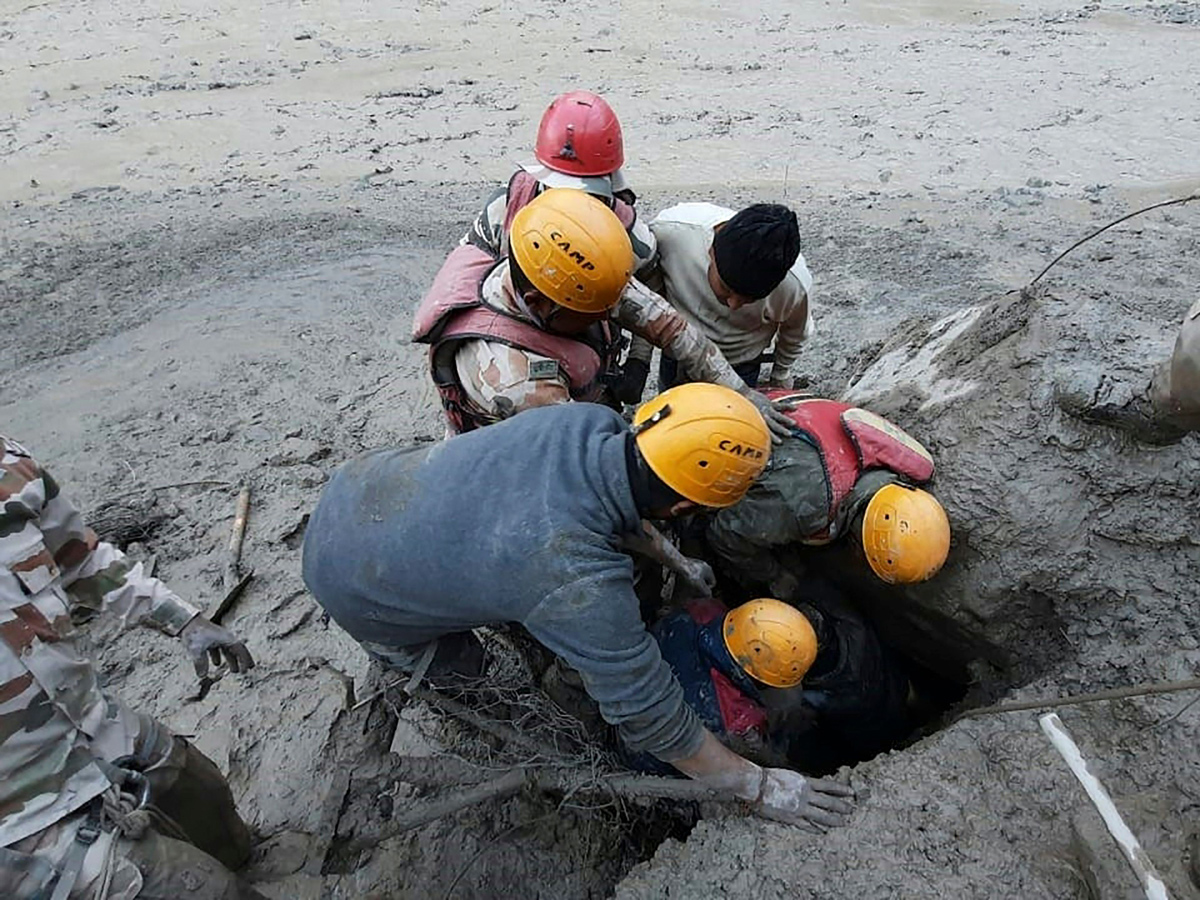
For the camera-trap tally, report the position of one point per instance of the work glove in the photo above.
(208, 643)
(628, 388)
(812, 803)
(699, 576)
(779, 424)
(783, 381)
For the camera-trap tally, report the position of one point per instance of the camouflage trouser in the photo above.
(191, 799)
(1175, 390)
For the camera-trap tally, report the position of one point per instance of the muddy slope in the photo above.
(1074, 568)
(217, 217)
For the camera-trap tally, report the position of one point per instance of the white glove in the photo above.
(206, 642)
(813, 803)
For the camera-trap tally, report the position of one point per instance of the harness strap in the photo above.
(88, 834)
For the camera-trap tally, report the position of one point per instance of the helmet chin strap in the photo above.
(517, 280)
(653, 420)
(523, 306)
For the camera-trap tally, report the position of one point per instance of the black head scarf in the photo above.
(755, 249)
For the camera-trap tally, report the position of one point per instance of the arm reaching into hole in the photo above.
(779, 794)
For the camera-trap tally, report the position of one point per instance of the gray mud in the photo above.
(214, 236)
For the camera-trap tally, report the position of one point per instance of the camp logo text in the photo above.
(743, 450)
(564, 245)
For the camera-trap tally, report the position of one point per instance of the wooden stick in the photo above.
(548, 781)
(375, 695)
(204, 482)
(232, 572)
(635, 786)
(506, 785)
(230, 598)
(1137, 690)
(1151, 882)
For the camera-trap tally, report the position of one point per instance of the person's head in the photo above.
(705, 442)
(905, 534)
(752, 252)
(569, 259)
(579, 135)
(774, 643)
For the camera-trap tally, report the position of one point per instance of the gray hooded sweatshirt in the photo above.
(516, 522)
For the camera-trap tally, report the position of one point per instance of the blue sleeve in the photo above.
(593, 624)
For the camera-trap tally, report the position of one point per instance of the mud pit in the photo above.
(214, 233)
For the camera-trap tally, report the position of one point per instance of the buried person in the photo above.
(810, 685)
(539, 327)
(91, 792)
(845, 473)
(523, 522)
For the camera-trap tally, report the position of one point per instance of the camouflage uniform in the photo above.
(500, 380)
(58, 729)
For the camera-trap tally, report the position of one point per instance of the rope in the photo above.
(1178, 201)
(122, 811)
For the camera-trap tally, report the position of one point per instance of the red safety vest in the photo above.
(453, 311)
(852, 441)
(740, 714)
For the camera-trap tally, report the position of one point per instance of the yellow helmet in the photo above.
(706, 442)
(772, 641)
(573, 249)
(905, 534)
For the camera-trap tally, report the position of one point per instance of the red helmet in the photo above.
(580, 135)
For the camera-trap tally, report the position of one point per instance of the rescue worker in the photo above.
(846, 473)
(408, 549)
(809, 683)
(1168, 409)
(538, 327)
(579, 145)
(1175, 388)
(740, 279)
(75, 762)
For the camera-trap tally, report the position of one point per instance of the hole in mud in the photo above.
(566, 833)
(898, 701)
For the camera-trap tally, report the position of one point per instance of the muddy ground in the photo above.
(217, 219)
